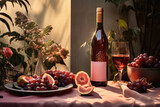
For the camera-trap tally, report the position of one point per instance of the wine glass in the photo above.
(120, 55)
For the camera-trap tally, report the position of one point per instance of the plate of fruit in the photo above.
(50, 81)
(144, 66)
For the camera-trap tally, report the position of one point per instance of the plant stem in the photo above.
(120, 33)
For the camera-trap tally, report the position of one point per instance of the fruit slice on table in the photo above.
(85, 89)
(47, 77)
(82, 78)
(83, 83)
(23, 79)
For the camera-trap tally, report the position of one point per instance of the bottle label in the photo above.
(98, 71)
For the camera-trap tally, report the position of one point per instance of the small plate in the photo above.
(16, 88)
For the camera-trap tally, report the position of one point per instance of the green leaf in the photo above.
(20, 39)
(5, 6)
(14, 33)
(2, 3)
(18, 49)
(13, 38)
(136, 31)
(35, 53)
(27, 2)
(46, 30)
(128, 35)
(24, 5)
(111, 35)
(6, 23)
(30, 25)
(16, 59)
(83, 45)
(49, 65)
(122, 23)
(19, 1)
(115, 76)
(62, 62)
(30, 68)
(12, 3)
(24, 65)
(7, 16)
(3, 45)
(29, 52)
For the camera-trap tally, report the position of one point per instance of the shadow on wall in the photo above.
(83, 25)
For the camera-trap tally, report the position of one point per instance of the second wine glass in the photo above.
(120, 55)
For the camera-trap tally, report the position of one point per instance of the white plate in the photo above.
(9, 86)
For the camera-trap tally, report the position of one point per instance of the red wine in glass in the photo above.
(120, 55)
(120, 61)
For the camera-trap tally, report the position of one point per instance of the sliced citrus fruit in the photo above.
(48, 77)
(85, 89)
(82, 78)
(23, 79)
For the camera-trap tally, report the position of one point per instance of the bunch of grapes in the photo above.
(140, 85)
(62, 78)
(38, 84)
(145, 61)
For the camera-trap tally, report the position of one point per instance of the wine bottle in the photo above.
(99, 54)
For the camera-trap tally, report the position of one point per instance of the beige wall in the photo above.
(47, 12)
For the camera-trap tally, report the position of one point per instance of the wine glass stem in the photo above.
(120, 75)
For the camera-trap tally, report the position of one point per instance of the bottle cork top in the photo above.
(99, 15)
(99, 9)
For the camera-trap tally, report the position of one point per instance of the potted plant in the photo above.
(5, 65)
(41, 54)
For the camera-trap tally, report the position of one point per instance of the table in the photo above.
(110, 96)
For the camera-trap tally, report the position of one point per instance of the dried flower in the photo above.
(64, 53)
(21, 18)
(40, 41)
(54, 47)
(35, 37)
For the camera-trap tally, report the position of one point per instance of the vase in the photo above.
(40, 67)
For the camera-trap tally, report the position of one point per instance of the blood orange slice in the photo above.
(84, 86)
(85, 89)
(23, 79)
(82, 78)
(48, 77)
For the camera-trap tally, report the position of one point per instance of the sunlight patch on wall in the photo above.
(46, 12)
